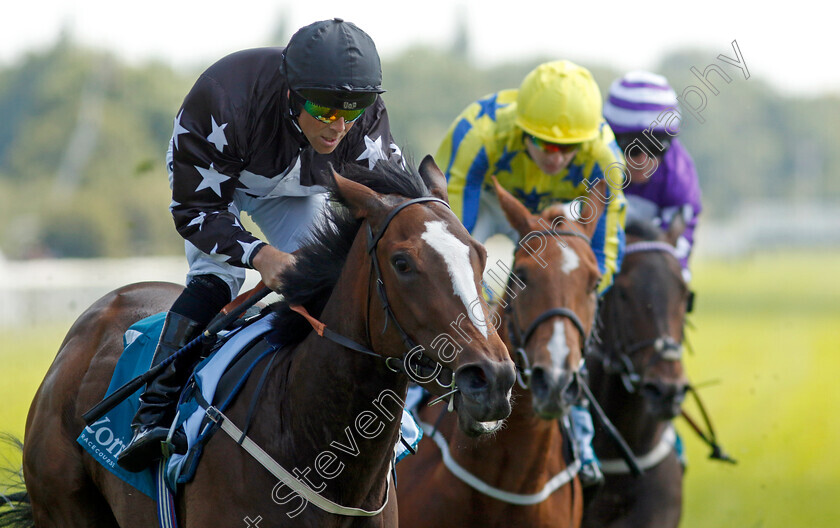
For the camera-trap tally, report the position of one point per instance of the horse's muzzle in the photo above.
(664, 398)
(485, 389)
(554, 392)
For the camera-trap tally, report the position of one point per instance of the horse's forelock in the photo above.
(644, 230)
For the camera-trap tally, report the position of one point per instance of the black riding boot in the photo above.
(158, 402)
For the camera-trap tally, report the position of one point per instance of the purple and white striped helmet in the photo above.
(637, 100)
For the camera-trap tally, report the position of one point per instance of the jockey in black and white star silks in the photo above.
(256, 133)
(236, 146)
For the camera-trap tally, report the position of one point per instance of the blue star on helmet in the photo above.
(503, 165)
(489, 107)
(575, 175)
(532, 199)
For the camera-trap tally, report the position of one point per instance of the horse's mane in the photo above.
(643, 229)
(646, 231)
(321, 258)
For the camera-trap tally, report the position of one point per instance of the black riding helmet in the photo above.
(333, 63)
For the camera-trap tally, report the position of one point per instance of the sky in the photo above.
(790, 46)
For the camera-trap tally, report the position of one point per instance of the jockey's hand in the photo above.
(271, 262)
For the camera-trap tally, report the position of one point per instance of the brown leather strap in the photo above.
(317, 325)
(232, 305)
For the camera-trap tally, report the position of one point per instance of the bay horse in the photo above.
(393, 266)
(520, 476)
(637, 375)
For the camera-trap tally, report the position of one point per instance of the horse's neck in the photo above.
(338, 403)
(628, 412)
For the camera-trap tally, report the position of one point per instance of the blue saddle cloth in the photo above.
(109, 435)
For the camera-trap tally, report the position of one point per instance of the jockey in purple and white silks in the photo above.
(640, 109)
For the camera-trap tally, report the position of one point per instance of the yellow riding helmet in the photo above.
(559, 102)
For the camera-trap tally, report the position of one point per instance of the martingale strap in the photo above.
(555, 483)
(287, 478)
(651, 459)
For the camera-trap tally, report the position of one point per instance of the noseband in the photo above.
(664, 346)
(519, 339)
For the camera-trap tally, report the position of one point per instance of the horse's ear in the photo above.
(433, 178)
(592, 207)
(362, 201)
(517, 214)
(676, 227)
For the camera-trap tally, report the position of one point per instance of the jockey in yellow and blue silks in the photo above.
(545, 142)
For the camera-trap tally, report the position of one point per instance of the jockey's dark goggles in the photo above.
(326, 114)
(552, 148)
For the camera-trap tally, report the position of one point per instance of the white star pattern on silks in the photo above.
(237, 224)
(211, 179)
(217, 136)
(218, 256)
(247, 249)
(373, 152)
(177, 129)
(198, 220)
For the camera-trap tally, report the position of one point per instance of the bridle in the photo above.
(412, 362)
(519, 338)
(665, 347)
(401, 364)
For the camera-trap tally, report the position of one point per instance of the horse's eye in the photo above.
(595, 286)
(401, 264)
(521, 275)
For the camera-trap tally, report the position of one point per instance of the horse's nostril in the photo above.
(652, 391)
(472, 378)
(539, 383)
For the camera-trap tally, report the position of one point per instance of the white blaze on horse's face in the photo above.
(456, 254)
(558, 347)
(571, 260)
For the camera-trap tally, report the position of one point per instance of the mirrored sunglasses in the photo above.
(552, 148)
(326, 114)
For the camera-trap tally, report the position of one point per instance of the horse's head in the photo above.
(436, 325)
(645, 316)
(551, 317)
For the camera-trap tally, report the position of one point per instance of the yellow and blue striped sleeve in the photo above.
(608, 239)
(465, 165)
(467, 152)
